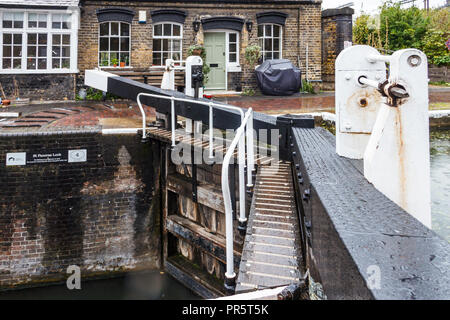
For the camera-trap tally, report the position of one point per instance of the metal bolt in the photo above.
(306, 194)
(414, 60)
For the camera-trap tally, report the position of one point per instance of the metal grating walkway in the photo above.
(271, 256)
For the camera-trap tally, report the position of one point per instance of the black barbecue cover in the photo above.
(279, 77)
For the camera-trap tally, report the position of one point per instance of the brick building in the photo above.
(138, 35)
(151, 31)
(38, 48)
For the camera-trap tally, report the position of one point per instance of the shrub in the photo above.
(252, 55)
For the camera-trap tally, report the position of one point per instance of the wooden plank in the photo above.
(207, 195)
(206, 286)
(198, 236)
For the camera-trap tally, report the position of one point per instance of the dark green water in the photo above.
(440, 182)
(137, 286)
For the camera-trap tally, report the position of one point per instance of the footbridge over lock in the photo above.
(272, 205)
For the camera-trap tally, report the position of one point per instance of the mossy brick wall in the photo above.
(303, 26)
(39, 86)
(336, 29)
(101, 215)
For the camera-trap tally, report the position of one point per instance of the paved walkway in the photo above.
(79, 114)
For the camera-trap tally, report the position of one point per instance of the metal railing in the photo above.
(230, 274)
(239, 140)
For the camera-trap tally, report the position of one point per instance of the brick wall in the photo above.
(295, 35)
(40, 86)
(102, 215)
(336, 29)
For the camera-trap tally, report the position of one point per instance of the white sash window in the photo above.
(167, 42)
(38, 41)
(270, 41)
(115, 44)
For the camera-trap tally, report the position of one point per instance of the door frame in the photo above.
(227, 48)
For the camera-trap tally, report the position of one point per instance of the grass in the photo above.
(440, 83)
(440, 106)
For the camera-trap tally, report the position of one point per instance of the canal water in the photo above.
(440, 182)
(137, 286)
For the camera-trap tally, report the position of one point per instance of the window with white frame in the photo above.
(60, 51)
(270, 40)
(114, 44)
(37, 51)
(233, 48)
(167, 42)
(37, 41)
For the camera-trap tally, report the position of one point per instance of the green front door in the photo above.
(216, 60)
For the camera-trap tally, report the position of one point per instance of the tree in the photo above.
(405, 28)
(396, 28)
(434, 43)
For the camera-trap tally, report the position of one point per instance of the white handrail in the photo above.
(241, 147)
(230, 274)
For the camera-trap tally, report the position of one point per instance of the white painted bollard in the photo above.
(191, 63)
(397, 157)
(356, 104)
(168, 80)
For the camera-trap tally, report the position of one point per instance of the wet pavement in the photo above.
(54, 116)
(125, 114)
(306, 103)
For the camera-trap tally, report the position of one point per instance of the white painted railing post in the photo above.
(144, 120)
(173, 124)
(211, 129)
(250, 152)
(230, 275)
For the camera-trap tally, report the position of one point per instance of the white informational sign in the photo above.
(45, 157)
(16, 159)
(142, 16)
(77, 155)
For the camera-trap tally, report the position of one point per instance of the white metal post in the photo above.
(168, 80)
(230, 274)
(172, 111)
(250, 152)
(241, 163)
(211, 129)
